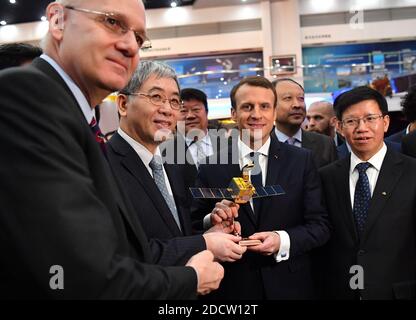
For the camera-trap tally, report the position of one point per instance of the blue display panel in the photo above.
(334, 68)
(216, 75)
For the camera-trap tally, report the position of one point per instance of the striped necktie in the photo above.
(99, 137)
(159, 177)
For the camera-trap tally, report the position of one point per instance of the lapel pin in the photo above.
(384, 193)
(275, 156)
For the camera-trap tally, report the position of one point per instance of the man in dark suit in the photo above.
(371, 201)
(289, 226)
(148, 107)
(409, 144)
(291, 112)
(66, 230)
(409, 110)
(194, 142)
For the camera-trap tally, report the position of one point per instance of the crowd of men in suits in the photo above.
(117, 218)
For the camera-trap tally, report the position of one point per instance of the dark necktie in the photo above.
(99, 137)
(256, 179)
(159, 177)
(362, 196)
(291, 141)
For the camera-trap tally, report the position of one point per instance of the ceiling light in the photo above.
(3, 23)
(12, 1)
(173, 4)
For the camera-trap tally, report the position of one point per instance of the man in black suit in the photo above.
(371, 201)
(409, 144)
(409, 110)
(290, 225)
(66, 230)
(291, 112)
(148, 107)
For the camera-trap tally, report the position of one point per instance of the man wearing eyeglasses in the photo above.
(66, 229)
(149, 107)
(371, 201)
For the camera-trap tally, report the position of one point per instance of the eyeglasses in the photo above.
(158, 100)
(355, 122)
(114, 24)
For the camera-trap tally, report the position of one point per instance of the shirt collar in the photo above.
(144, 154)
(205, 140)
(245, 150)
(283, 137)
(86, 109)
(376, 160)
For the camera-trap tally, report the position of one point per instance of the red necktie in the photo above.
(99, 137)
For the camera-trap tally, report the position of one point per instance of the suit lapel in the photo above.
(273, 161)
(342, 184)
(233, 170)
(132, 162)
(390, 173)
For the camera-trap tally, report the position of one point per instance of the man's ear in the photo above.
(333, 121)
(386, 123)
(56, 17)
(233, 114)
(121, 102)
(339, 127)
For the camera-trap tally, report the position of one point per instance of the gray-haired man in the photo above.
(149, 107)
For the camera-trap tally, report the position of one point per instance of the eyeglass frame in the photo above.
(149, 97)
(123, 28)
(370, 118)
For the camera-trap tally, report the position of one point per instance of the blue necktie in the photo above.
(256, 179)
(362, 196)
(159, 177)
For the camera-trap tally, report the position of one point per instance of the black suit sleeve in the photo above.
(55, 209)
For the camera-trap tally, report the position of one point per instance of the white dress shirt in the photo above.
(206, 146)
(145, 155)
(244, 159)
(86, 109)
(283, 137)
(372, 172)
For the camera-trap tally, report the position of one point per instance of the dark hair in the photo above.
(15, 54)
(276, 81)
(356, 95)
(194, 94)
(253, 81)
(409, 104)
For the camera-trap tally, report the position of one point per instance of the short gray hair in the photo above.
(144, 70)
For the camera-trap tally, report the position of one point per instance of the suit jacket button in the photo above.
(361, 252)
